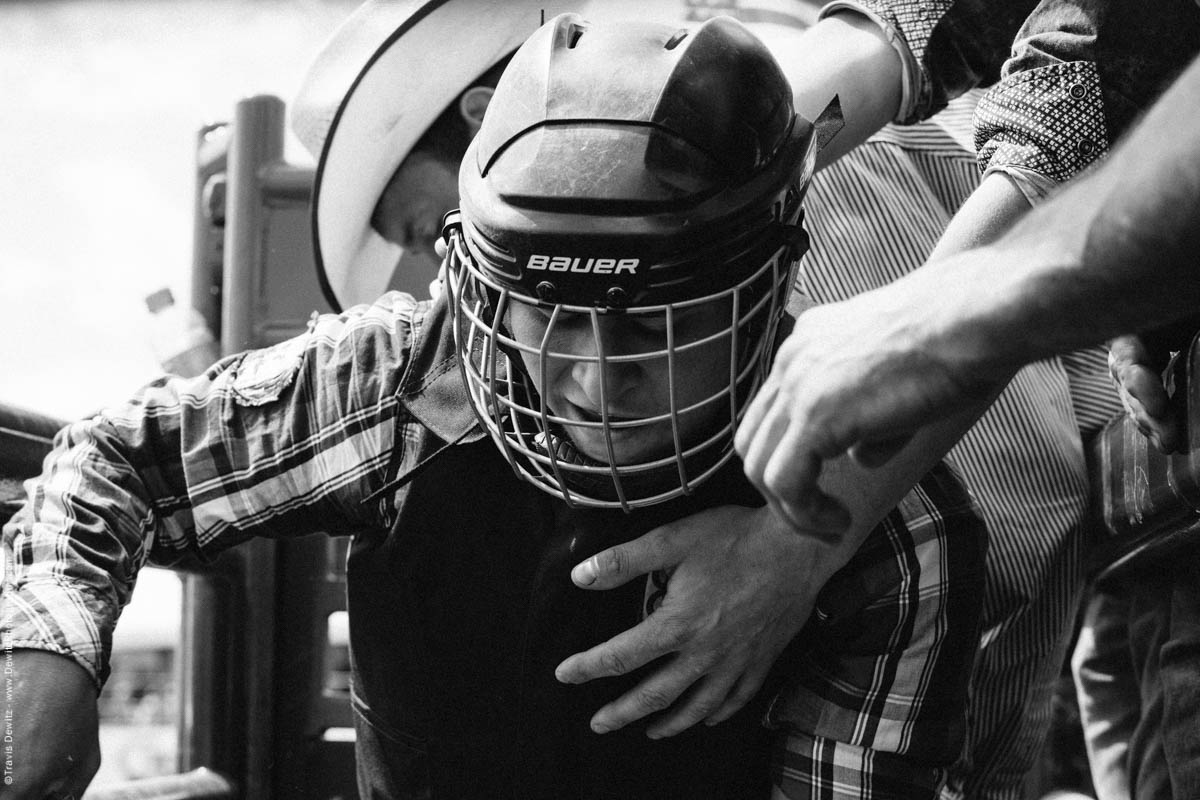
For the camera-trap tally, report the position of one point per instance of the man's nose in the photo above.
(601, 378)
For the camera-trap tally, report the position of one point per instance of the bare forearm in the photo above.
(52, 718)
(1113, 252)
(846, 55)
(990, 211)
(870, 493)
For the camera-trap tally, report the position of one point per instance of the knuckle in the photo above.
(752, 467)
(613, 663)
(694, 669)
(773, 477)
(612, 561)
(702, 708)
(739, 440)
(660, 544)
(674, 634)
(650, 699)
(742, 694)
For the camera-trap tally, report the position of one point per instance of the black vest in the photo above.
(459, 615)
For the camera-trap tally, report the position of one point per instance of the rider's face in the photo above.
(638, 379)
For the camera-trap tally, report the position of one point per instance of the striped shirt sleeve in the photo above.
(276, 442)
(875, 215)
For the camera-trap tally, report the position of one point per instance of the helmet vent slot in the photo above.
(576, 33)
(675, 39)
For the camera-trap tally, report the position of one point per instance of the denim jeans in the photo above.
(1138, 670)
(1164, 752)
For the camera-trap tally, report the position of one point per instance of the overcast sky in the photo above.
(101, 104)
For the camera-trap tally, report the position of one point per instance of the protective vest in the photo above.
(460, 613)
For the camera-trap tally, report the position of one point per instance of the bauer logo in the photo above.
(595, 266)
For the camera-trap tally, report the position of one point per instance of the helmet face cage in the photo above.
(542, 446)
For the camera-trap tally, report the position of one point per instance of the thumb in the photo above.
(608, 569)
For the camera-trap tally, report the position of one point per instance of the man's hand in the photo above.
(55, 729)
(859, 376)
(741, 585)
(1143, 394)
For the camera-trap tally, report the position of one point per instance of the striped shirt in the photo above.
(875, 215)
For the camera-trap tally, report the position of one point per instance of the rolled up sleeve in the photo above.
(277, 442)
(1044, 121)
(1079, 74)
(1045, 124)
(946, 47)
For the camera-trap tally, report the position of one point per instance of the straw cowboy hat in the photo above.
(386, 74)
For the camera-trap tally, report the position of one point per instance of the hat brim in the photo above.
(396, 66)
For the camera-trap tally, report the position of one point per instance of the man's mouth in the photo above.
(589, 415)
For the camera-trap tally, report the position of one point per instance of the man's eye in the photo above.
(685, 322)
(652, 325)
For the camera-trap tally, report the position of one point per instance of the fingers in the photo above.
(686, 694)
(1143, 394)
(697, 704)
(659, 692)
(783, 461)
(742, 692)
(436, 285)
(1168, 436)
(661, 548)
(751, 426)
(787, 474)
(1165, 431)
(1146, 387)
(652, 638)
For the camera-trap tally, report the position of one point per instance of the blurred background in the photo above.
(102, 101)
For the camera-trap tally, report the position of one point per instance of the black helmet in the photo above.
(631, 183)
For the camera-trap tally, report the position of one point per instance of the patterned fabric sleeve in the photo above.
(1045, 118)
(946, 46)
(274, 442)
(1080, 72)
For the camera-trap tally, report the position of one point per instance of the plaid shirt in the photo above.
(291, 439)
(277, 442)
(875, 705)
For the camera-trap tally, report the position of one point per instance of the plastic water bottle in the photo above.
(179, 336)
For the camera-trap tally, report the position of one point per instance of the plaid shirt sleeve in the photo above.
(877, 704)
(276, 442)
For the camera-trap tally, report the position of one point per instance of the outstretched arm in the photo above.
(271, 442)
(847, 55)
(1111, 253)
(742, 585)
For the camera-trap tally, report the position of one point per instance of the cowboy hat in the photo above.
(384, 77)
